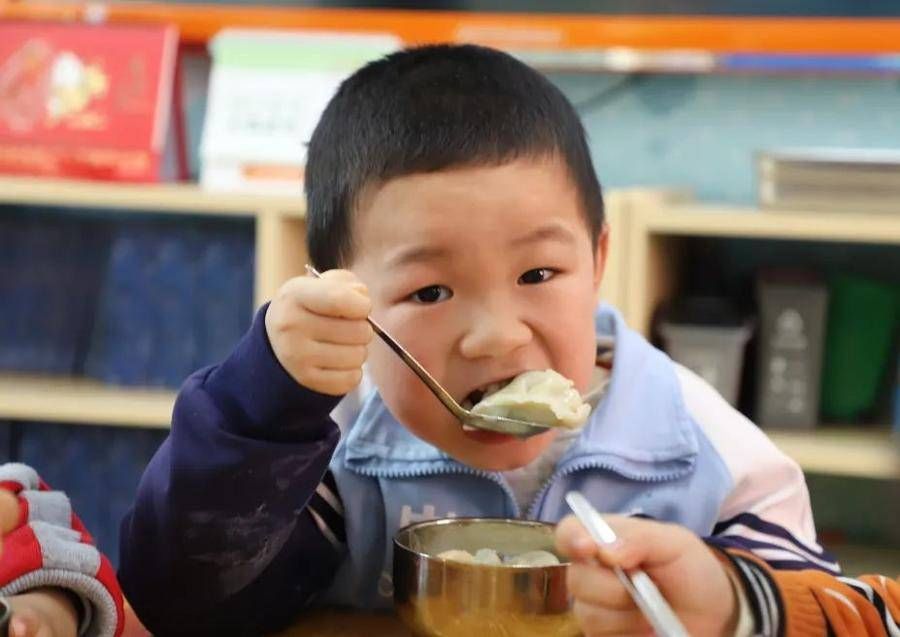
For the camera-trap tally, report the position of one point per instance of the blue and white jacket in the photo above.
(251, 508)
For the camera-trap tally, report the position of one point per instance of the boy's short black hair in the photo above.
(427, 109)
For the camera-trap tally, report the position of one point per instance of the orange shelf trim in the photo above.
(199, 22)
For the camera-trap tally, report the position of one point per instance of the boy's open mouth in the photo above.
(477, 395)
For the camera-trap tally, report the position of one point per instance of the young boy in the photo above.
(55, 580)
(451, 195)
(730, 592)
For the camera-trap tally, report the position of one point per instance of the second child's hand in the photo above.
(318, 330)
(9, 513)
(42, 612)
(671, 555)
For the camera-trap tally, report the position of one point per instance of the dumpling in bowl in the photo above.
(457, 555)
(487, 556)
(533, 558)
(544, 397)
(490, 557)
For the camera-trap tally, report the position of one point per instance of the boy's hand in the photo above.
(685, 570)
(318, 330)
(44, 612)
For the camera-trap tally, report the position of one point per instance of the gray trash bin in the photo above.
(707, 337)
(792, 310)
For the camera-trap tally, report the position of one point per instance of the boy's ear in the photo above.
(600, 256)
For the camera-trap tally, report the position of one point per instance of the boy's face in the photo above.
(481, 273)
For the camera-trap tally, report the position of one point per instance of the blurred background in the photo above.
(151, 166)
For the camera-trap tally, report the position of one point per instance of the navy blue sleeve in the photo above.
(220, 539)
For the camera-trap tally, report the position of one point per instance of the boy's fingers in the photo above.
(598, 585)
(337, 357)
(341, 275)
(348, 277)
(334, 382)
(341, 302)
(596, 620)
(326, 298)
(573, 540)
(338, 331)
(640, 542)
(647, 543)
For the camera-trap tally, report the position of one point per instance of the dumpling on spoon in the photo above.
(545, 397)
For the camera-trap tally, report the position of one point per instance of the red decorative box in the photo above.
(86, 101)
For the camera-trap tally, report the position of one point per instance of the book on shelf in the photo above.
(49, 279)
(90, 101)
(267, 90)
(136, 302)
(174, 299)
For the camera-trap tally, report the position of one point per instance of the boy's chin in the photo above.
(498, 464)
(503, 457)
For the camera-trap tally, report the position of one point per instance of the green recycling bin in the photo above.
(862, 318)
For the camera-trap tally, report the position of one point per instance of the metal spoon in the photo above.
(638, 584)
(497, 424)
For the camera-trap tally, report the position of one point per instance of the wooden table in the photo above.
(346, 623)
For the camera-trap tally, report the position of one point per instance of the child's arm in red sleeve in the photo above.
(48, 546)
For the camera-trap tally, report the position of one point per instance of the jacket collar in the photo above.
(640, 430)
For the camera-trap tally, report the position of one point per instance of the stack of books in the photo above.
(832, 179)
(129, 302)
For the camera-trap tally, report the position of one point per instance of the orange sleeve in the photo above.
(816, 603)
(814, 600)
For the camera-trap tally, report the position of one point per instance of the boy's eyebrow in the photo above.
(551, 231)
(420, 253)
(414, 254)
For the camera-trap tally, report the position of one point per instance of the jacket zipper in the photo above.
(531, 513)
(459, 469)
(574, 468)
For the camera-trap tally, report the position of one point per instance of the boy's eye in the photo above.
(432, 294)
(538, 275)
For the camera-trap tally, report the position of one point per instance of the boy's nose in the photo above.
(494, 333)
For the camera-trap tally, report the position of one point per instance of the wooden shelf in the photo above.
(746, 223)
(659, 218)
(70, 400)
(846, 451)
(849, 451)
(157, 198)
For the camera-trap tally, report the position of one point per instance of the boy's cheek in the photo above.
(574, 352)
(404, 394)
(388, 371)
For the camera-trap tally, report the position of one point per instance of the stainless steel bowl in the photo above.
(443, 598)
